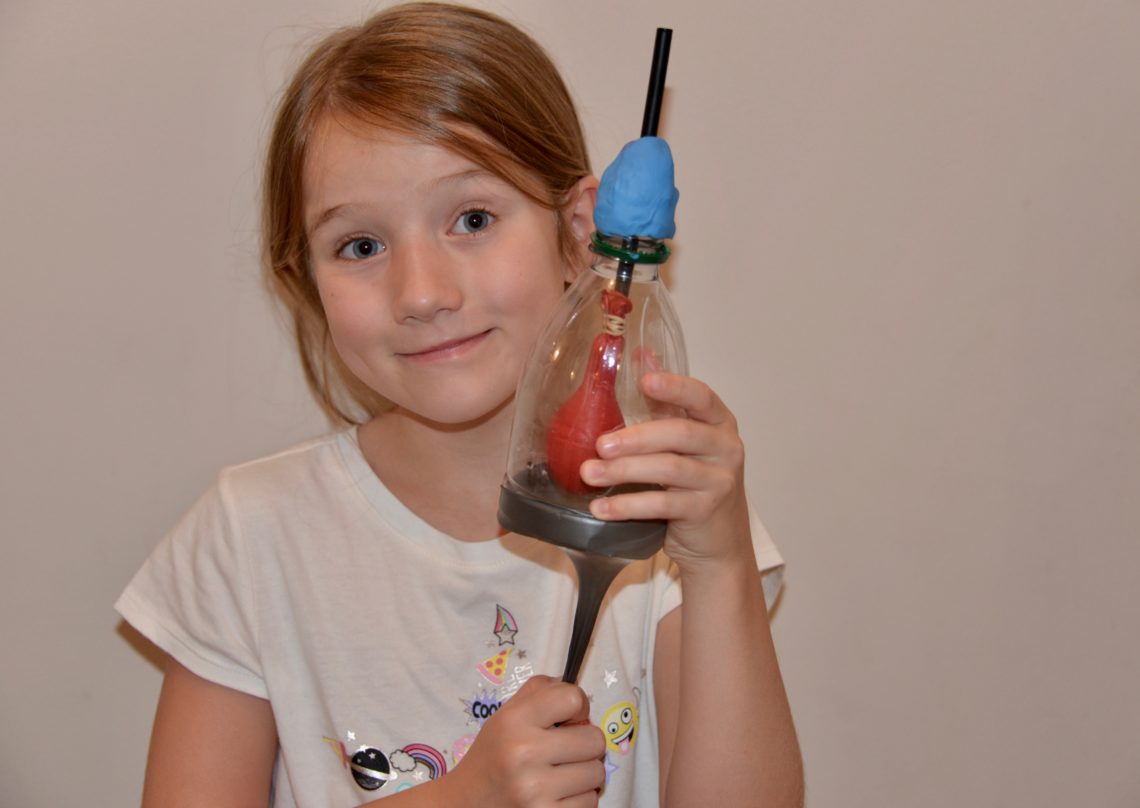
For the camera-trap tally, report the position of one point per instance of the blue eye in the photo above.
(472, 221)
(359, 249)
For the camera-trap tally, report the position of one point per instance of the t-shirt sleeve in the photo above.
(193, 598)
(768, 560)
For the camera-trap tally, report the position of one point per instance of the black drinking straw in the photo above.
(596, 571)
(649, 123)
(656, 82)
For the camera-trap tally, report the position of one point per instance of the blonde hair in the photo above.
(452, 76)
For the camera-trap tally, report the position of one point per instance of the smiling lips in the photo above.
(446, 350)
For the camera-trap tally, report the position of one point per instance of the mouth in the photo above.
(446, 350)
(624, 737)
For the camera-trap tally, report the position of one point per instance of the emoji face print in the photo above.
(619, 725)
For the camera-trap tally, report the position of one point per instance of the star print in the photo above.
(610, 768)
(418, 775)
(351, 735)
(611, 679)
(506, 635)
(522, 653)
(372, 756)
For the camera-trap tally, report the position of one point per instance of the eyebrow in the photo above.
(462, 176)
(449, 179)
(327, 216)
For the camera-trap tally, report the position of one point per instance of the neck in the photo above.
(447, 474)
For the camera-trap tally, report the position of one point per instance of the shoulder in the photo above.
(264, 500)
(302, 470)
(252, 499)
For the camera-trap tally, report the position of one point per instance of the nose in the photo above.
(424, 281)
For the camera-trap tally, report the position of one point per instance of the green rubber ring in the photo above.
(657, 256)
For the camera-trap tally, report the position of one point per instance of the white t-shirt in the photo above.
(381, 643)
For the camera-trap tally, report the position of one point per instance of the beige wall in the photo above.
(908, 257)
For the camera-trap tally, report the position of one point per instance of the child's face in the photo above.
(435, 276)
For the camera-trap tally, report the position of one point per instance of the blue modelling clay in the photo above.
(636, 196)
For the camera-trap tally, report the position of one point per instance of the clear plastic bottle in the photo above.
(552, 506)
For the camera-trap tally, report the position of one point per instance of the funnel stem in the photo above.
(595, 574)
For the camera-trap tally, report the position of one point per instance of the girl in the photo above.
(344, 620)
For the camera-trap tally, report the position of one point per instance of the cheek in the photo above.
(540, 277)
(531, 289)
(349, 320)
(532, 302)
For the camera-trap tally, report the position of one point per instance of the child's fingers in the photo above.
(578, 742)
(551, 702)
(669, 469)
(680, 436)
(682, 506)
(578, 782)
(695, 463)
(586, 800)
(695, 397)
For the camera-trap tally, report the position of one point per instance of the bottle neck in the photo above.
(628, 260)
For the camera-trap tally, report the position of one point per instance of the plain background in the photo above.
(908, 257)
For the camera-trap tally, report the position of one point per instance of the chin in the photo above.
(455, 414)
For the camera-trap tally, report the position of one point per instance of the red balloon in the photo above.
(593, 409)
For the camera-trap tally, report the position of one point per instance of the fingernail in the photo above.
(593, 471)
(608, 443)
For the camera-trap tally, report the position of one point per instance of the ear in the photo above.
(578, 216)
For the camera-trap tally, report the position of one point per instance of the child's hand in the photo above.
(698, 459)
(534, 751)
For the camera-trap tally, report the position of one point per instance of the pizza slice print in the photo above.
(493, 668)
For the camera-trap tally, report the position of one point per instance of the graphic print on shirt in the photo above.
(460, 747)
(339, 750)
(369, 766)
(420, 761)
(484, 704)
(494, 667)
(517, 678)
(505, 678)
(505, 626)
(619, 725)
(505, 671)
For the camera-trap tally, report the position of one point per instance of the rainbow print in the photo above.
(429, 757)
